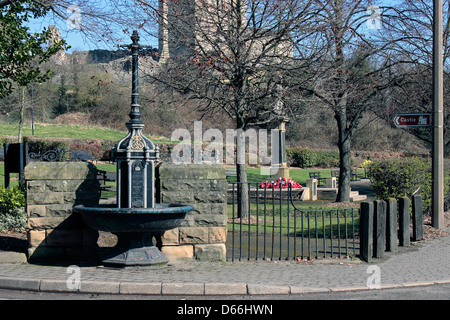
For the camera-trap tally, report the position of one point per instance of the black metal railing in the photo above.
(277, 229)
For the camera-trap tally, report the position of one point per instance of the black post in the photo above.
(16, 159)
(391, 226)
(135, 114)
(7, 177)
(404, 217)
(379, 228)
(417, 217)
(366, 231)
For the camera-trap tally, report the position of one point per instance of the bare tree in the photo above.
(413, 89)
(350, 51)
(232, 55)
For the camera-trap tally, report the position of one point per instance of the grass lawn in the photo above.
(297, 174)
(69, 131)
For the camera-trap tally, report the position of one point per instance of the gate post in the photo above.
(366, 231)
(379, 235)
(391, 226)
(404, 231)
(417, 217)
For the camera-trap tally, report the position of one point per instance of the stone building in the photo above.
(189, 24)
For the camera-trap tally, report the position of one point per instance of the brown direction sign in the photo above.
(402, 120)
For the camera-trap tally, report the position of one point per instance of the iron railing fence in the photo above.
(277, 229)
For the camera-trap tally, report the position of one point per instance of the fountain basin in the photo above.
(134, 228)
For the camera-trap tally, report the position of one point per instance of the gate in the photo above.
(278, 229)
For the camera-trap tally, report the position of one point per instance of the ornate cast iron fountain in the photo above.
(135, 218)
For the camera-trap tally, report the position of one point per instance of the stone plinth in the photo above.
(203, 234)
(53, 188)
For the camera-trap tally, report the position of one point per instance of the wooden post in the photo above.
(391, 226)
(366, 231)
(379, 228)
(404, 230)
(417, 217)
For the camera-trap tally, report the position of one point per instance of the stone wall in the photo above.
(203, 234)
(53, 188)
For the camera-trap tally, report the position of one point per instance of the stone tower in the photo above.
(185, 25)
(60, 57)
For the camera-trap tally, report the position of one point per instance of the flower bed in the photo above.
(282, 182)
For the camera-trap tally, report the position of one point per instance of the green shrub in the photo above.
(41, 145)
(12, 209)
(401, 178)
(10, 199)
(15, 220)
(306, 158)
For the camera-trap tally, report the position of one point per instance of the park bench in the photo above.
(316, 175)
(335, 174)
(81, 155)
(355, 175)
(104, 176)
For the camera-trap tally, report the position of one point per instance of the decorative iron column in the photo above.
(135, 154)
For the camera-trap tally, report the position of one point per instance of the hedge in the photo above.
(402, 177)
(306, 158)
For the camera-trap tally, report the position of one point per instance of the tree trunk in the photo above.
(21, 111)
(345, 158)
(241, 172)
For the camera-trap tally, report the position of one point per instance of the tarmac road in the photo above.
(431, 292)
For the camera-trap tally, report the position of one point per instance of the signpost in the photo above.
(412, 120)
(437, 217)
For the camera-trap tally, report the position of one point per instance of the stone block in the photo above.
(225, 289)
(219, 208)
(192, 235)
(210, 197)
(64, 237)
(210, 252)
(330, 182)
(183, 288)
(201, 208)
(60, 171)
(36, 210)
(170, 237)
(36, 186)
(44, 253)
(204, 220)
(36, 238)
(45, 198)
(177, 197)
(217, 234)
(190, 171)
(62, 185)
(140, 288)
(174, 253)
(306, 194)
(58, 210)
(311, 184)
(198, 185)
(45, 222)
(71, 222)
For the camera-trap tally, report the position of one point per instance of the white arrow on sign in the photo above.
(403, 120)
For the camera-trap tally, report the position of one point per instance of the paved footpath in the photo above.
(420, 264)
